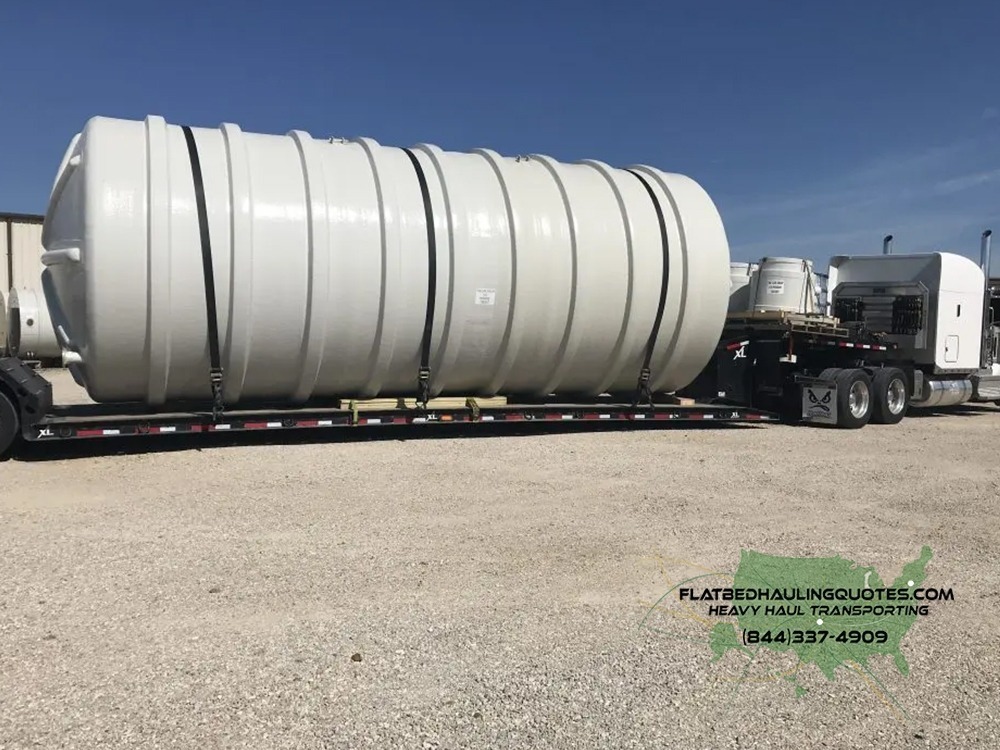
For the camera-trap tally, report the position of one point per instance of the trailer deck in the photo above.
(43, 421)
(76, 422)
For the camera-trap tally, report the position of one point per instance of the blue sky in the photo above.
(816, 127)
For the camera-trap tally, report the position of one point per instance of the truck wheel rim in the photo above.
(896, 396)
(858, 399)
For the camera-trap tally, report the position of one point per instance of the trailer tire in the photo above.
(854, 399)
(830, 374)
(9, 424)
(891, 396)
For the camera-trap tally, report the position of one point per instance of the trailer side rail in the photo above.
(67, 428)
(27, 411)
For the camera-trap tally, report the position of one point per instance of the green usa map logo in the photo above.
(829, 613)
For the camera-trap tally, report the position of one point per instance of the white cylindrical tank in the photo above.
(785, 284)
(547, 275)
(740, 276)
(30, 334)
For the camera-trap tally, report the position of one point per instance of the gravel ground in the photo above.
(485, 592)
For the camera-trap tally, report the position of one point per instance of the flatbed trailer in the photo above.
(808, 368)
(28, 414)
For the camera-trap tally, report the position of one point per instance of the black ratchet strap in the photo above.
(424, 373)
(215, 374)
(643, 394)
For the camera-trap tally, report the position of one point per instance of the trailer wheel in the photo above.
(9, 427)
(891, 396)
(830, 373)
(854, 399)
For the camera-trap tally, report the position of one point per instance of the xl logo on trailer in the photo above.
(819, 404)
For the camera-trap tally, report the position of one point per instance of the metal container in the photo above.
(542, 277)
(785, 284)
(942, 393)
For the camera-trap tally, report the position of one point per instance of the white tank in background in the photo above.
(740, 279)
(785, 285)
(30, 334)
(548, 275)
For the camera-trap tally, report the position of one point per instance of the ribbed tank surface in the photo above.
(343, 268)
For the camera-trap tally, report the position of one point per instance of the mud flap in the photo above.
(819, 402)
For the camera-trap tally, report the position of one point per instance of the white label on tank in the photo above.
(486, 296)
(775, 286)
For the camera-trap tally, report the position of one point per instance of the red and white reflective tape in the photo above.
(737, 345)
(852, 345)
(314, 423)
(98, 433)
(626, 415)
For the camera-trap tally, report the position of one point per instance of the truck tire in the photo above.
(854, 399)
(891, 396)
(9, 424)
(830, 373)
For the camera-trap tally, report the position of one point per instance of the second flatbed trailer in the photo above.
(809, 368)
